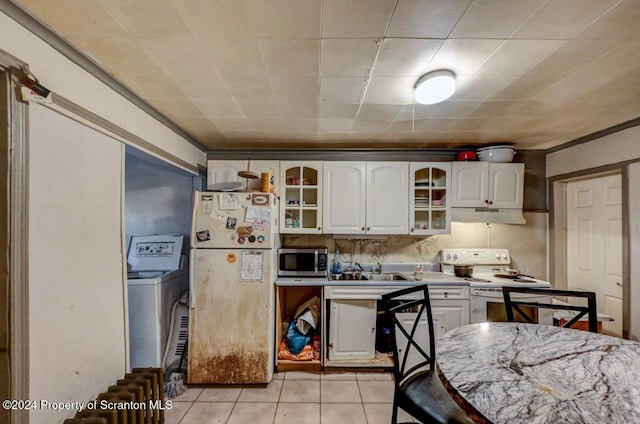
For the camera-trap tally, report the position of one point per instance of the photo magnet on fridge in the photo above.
(231, 223)
(203, 235)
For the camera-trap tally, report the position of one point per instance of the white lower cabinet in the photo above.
(353, 310)
(449, 314)
(352, 329)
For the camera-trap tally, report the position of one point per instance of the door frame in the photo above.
(15, 249)
(558, 230)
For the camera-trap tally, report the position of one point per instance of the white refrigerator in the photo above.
(234, 238)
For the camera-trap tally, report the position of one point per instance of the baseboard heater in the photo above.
(138, 398)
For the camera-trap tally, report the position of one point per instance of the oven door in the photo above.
(487, 305)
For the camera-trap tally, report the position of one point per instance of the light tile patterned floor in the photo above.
(292, 397)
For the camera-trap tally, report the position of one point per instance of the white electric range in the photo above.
(486, 302)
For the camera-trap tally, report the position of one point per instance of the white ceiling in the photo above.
(340, 73)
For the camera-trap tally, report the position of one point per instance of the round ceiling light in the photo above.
(435, 87)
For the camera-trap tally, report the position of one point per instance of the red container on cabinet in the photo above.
(467, 155)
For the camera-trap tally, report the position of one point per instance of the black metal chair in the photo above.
(418, 389)
(512, 304)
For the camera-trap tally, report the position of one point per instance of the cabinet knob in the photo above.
(446, 295)
(362, 229)
(319, 228)
(411, 229)
(486, 202)
(491, 202)
(368, 228)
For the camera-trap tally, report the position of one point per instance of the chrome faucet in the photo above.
(359, 266)
(377, 268)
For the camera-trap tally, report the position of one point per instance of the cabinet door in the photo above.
(344, 189)
(447, 315)
(421, 336)
(451, 313)
(352, 329)
(429, 198)
(387, 198)
(506, 185)
(469, 181)
(261, 166)
(226, 171)
(223, 171)
(301, 194)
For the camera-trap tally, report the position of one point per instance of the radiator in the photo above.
(142, 388)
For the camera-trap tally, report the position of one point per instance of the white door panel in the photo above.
(387, 198)
(352, 329)
(344, 197)
(594, 243)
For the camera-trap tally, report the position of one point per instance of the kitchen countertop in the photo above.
(524, 373)
(429, 277)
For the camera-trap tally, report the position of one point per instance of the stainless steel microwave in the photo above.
(302, 262)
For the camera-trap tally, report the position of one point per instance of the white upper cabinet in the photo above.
(344, 200)
(365, 198)
(223, 172)
(506, 185)
(301, 197)
(487, 184)
(387, 198)
(429, 198)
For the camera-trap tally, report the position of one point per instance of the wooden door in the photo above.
(594, 243)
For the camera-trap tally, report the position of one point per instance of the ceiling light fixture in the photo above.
(435, 87)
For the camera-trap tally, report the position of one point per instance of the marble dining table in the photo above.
(503, 372)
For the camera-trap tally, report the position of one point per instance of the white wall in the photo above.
(77, 344)
(63, 77)
(614, 148)
(76, 276)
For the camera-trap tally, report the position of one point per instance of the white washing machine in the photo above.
(157, 275)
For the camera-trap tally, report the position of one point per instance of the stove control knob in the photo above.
(504, 256)
(497, 256)
(455, 256)
(448, 256)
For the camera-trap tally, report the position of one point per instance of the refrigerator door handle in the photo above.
(192, 285)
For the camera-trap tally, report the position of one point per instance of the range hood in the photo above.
(489, 215)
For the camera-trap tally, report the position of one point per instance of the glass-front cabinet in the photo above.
(301, 201)
(429, 206)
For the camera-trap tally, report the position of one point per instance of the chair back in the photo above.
(412, 335)
(513, 303)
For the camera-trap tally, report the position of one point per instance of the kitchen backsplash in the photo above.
(527, 244)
